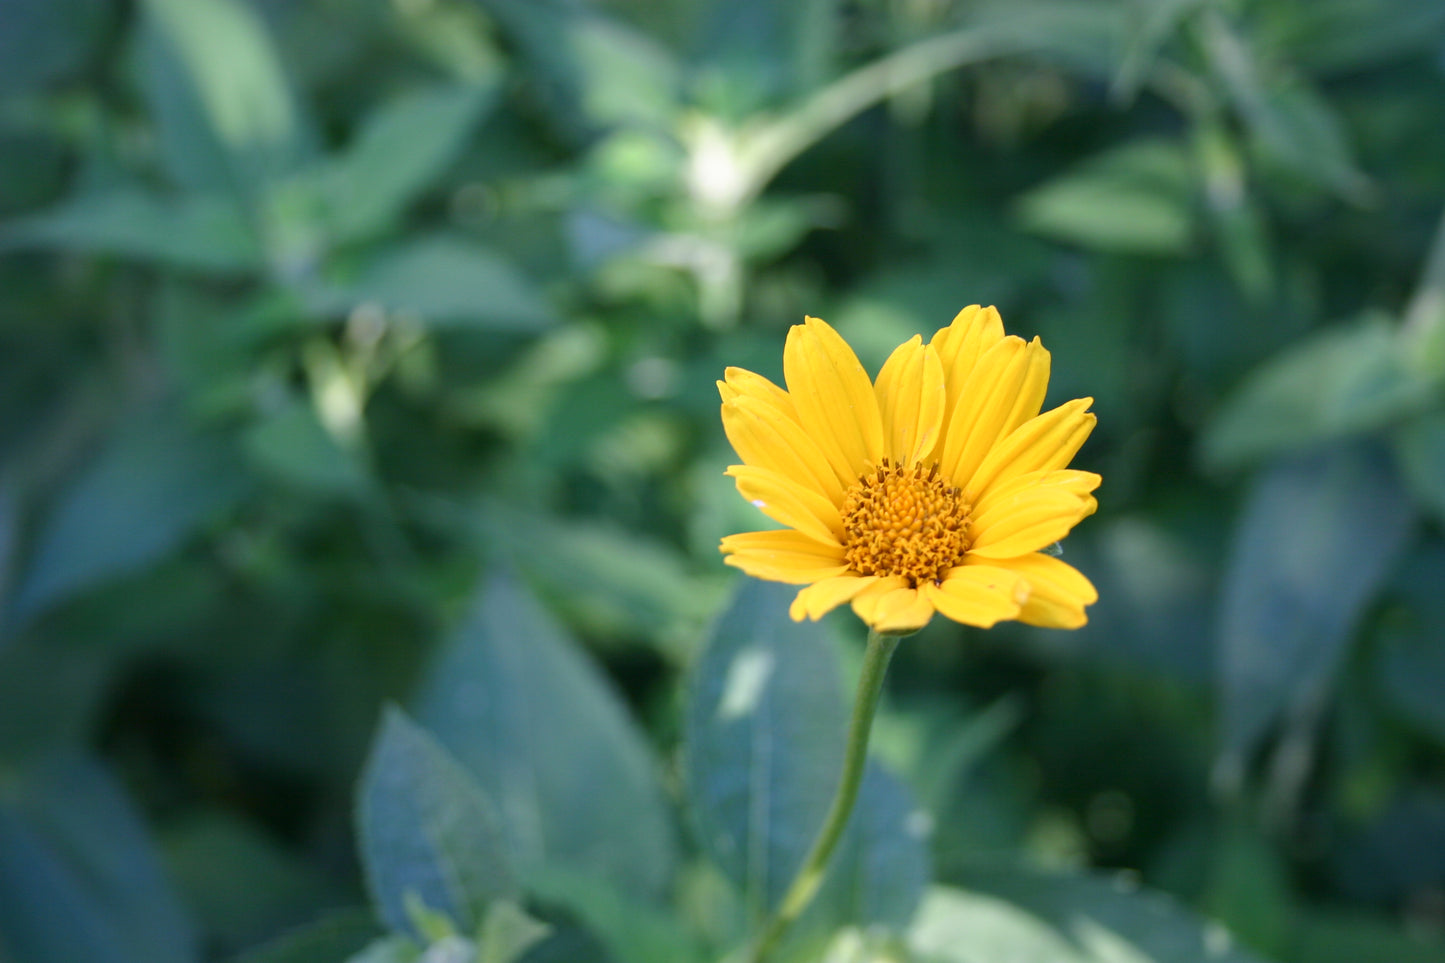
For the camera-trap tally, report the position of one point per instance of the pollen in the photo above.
(905, 521)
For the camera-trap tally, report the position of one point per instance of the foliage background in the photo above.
(337, 333)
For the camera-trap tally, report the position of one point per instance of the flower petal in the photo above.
(1004, 391)
(865, 603)
(764, 436)
(980, 595)
(784, 500)
(834, 397)
(1044, 443)
(741, 381)
(784, 547)
(974, 330)
(759, 566)
(1030, 512)
(822, 597)
(911, 397)
(1058, 592)
(902, 612)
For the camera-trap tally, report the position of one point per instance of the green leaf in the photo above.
(765, 725)
(333, 938)
(197, 232)
(1420, 449)
(44, 40)
(630, 931)
(1409, 657)
(1342, 381)
(388, 949)
(443, 281)
(227, 119)
(1317, 537)
(575, 781)
(1017, 915)
(1351, 35)
(1135, 199)
(293, 446)
(507, 933)
(148, 492)
(400, 151)
(427, 831)
(79, 879)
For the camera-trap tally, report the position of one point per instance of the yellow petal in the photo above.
(980, 595)
(834, 397)
(982, 408)
(974, 330)
(1003, 494)
(825, 595)
(1044, 443)
(911, 396)
(1058, 592)
(759, 566)
(902, 612)
(784, 546)
(784, 500)
(764, 436)
(741, 381)
(865, 603)
(1025, 516)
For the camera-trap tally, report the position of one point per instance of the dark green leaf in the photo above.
(79, 879)
(1420, 447)
(630, 931)
(1342, 381)
(293, 446)
(328, 940)
(199, 232)
(444, 281)
(139, 500)
(1136, 199)
(1315, 541)
(428, 832)
(575, 781)
(764, 736)
(227, 120)
(43, 40)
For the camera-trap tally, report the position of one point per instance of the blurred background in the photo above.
(313, 312)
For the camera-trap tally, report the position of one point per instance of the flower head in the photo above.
(934, 488)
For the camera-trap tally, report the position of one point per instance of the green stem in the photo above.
(855, 757)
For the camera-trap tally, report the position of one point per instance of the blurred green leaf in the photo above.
(388, 949)
(44, 40)
(225, 114)
(507, 933)
(443, 281)
(400, 151)
(632, 932)
(1341, 936)
(50, 695)
(197, 232)
(1315, 541)
(1409, 657)
(575, 781)
(427, 831)
(1013, 914)
(293, 446)
(137, 501)
(79, 879)
(1420, 448)
(1341, 381)
(1344, 35)
(763, 750)
(1248, 888)
(1135, 199)
(332, 938)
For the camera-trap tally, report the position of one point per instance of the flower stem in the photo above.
(855, 757)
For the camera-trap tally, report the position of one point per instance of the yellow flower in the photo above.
(933, 489)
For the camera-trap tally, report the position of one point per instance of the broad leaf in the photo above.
(765, 725)
(328, 940)
(79, 878)
(428, 833)
(227, 119)
(1026, 917)
(198, 232)
(547, 737)
(1137, 199)
(140, 499)
(1339, 382)
(1317, 537)
(443, 281)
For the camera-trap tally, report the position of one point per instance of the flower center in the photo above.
(904, 521)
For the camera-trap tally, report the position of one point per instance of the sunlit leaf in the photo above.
(575, 783)
(428, 833)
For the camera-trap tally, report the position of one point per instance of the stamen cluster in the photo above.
(904, 521)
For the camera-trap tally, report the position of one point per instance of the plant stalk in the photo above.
(810, 875)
